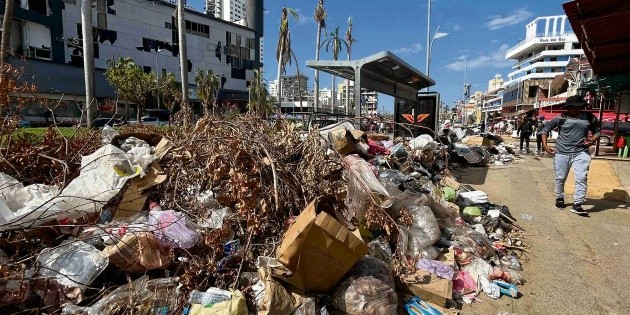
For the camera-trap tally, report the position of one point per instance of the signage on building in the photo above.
(552, 39)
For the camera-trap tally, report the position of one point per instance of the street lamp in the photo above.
(157, 71)
(437, 35)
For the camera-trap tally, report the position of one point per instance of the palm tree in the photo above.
(283, 51)
(183, 59)
(6, 30)
(88, 60)
(349, 41)
(335, 42)
(320, 18)
(207, 89)
(259, 101)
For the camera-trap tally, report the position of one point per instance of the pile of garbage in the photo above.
(238, 217)
(477, 150)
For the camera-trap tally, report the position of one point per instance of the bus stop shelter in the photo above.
(383, 72)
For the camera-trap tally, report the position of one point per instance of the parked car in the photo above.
(112, 122)
(146, 120)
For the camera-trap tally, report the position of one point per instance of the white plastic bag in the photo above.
(424, 231)
(423, 143)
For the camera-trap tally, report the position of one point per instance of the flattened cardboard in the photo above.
(344, 140)
(448, 257)
(133, 201)
(318, 250)
(477, 140)
(428, 287)
(450, 181)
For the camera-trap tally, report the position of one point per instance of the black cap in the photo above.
(574, 101)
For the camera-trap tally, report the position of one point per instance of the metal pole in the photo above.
(157, 72)
(428, 35)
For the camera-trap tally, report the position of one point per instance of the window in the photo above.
(238, 40)
(168, 25)
(553, 59)
(146, 69)
(533, 90)
(38, 6)
(228, 37)
(198, 29)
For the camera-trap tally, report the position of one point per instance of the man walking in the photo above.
(540, 125)
(572, 149)
(525, 131)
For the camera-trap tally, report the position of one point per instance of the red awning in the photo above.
(608, 116)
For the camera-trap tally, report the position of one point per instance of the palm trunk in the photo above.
(316, 92)
(7, 21)
(348, 86)
(279, 78)
(183, 60)
(88, 60)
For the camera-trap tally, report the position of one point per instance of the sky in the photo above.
(480, 33)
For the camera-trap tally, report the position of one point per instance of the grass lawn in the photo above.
(41, 131)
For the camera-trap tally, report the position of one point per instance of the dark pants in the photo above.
(539, 142)
(525, 137)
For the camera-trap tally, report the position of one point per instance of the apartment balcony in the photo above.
(547, 75)
(540, 65)
(539, 40)
(550, 53)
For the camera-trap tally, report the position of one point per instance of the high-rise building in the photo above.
(294, 88)
(369, 99)
(495, 84)
(229, 10)
(545, 53)
(273, 88)
(248, 13)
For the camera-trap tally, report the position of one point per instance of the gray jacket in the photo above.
(573, 132)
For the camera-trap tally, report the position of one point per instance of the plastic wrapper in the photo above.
(448, 194)
(479, 268)
(158, 296)
(423, 143)
(108, 133)
(35, 205)
(379, 248)
(358, 199)
(172, 229)
(435, 267)
(368, 289)
(430, 252)
(211, 296)
(73, 264)
(399, 151)
(138, 252)
(308, 307)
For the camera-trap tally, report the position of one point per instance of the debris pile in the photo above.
(238, 216)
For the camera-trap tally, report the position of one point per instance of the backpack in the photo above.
(563, 118)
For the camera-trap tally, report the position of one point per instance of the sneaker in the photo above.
(529, 151)
(577, 209)
(560, 203)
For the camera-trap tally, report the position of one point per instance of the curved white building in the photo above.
(545, 53)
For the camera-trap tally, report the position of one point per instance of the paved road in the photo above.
(577, 265)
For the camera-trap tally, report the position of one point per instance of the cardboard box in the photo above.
(317, 249)
(345, 141)
(428, 287)
(477, 140)
(448, 257)
(136, 192)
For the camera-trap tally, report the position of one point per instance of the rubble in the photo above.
(240, 217)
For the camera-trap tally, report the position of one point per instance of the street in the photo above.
(577, 265)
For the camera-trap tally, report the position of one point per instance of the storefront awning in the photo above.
(602, 27)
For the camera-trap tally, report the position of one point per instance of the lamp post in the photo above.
(157, 71)
(437, 35)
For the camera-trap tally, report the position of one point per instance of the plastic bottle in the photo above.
(625, 152)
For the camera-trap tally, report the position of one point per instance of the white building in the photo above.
(228, 10)
(325, 98)
(545, 53)
(48, 35)
(273, 88)
(369, 99)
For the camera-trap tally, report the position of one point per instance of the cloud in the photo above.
(495, 41)
(456, 27)
(494, 59)
(413, 49)
(303, 18)
(515, 17)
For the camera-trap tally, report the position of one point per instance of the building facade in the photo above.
(548, 47)
(48, 34)
(294, 88)
(369, 99)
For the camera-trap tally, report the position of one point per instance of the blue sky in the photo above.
(479, 32)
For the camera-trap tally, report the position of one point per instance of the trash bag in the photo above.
(423, 143)
(73, 264)
(234, 306)
(368, 289)
(424, 230)
(138, 252)
(399, 151)
(171, 229)
(379, 248)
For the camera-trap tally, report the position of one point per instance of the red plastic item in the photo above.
(376, 149)
(621, 142)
